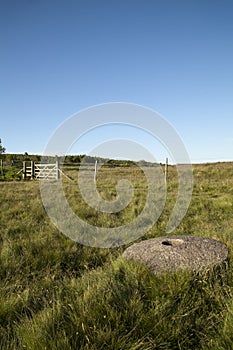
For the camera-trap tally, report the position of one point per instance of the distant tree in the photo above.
(2, 149)
(26, 156)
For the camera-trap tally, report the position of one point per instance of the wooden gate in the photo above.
(41, 171)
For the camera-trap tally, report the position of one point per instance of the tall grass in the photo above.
(57, 294)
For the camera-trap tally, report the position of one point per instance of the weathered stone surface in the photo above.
(171, 253)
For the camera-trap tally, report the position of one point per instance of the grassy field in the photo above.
(58, 294)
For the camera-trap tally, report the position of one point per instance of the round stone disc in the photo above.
(171, 253)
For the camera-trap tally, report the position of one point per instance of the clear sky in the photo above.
(174, 56)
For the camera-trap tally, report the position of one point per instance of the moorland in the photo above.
(58, 294)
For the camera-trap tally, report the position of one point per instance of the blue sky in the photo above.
(59, 57)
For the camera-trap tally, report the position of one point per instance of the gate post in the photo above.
(1, 169)
(32, 170)
(24, 170)
(57, 168)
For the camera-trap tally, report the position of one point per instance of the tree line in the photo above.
(18, 158)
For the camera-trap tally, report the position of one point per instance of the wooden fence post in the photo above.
(57, 169)
(95, 171)
(166, 170)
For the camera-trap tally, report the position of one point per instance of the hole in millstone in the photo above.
(173, 242)
(166, 243)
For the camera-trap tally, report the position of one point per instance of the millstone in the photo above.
(171, 253)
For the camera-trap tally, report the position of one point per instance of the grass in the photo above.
(58, 294)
